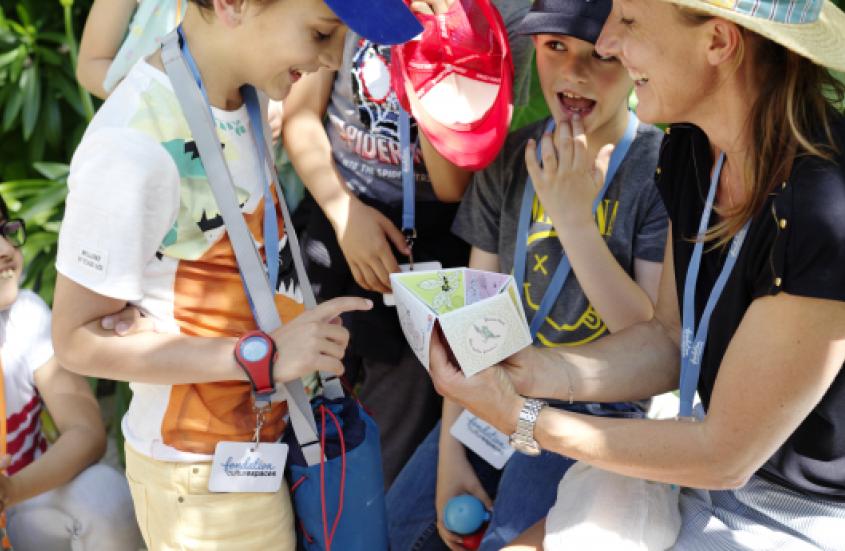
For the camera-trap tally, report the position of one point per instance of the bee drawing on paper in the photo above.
(448, 286)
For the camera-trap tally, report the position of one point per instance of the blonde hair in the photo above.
(797, 97)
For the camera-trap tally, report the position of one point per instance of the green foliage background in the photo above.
(43, 113)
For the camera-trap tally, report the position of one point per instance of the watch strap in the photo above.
(260, 373)
(523, 437)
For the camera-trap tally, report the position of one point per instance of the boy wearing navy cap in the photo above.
(592, 203)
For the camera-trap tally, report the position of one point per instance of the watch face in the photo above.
(254, 349)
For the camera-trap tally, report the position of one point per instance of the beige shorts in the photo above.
(175, 510)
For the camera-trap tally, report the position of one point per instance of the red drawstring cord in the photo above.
(298, 483)
(328, 538)
(345, 383)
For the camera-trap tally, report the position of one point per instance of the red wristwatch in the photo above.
(255, 352)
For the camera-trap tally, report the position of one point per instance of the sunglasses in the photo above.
(14, 231)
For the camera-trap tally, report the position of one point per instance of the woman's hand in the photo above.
(365, 236)
(569, 180)
(523, 370)
(489, 394)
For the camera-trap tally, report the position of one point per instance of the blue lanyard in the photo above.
(250, 96)
(692, 341)
(408, 200)
(563, 267)
(407, 171)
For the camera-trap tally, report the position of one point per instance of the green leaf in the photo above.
(66, 88)
(49, 56)
(21, 188)
(37, 242)
(42, 203)
(16, 67)
(17, 28)
(52, 122)
(23, 15)
(31, 86)
(9, 57)
(52, 171)
(13, 107)
(55, 37)
(36, 147)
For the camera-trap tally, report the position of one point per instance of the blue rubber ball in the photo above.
(464, 514)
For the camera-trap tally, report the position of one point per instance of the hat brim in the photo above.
(822, 41)
(473, 144)
(472, 147)
(385, 22)
(567, 24)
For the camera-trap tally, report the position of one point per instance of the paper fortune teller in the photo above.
(479, 312)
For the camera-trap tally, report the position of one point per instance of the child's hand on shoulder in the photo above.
(569, 180)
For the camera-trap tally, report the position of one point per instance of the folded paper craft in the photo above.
(479, 312)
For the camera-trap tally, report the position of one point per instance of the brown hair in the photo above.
(796, 100)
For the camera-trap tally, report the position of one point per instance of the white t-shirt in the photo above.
(141, 225)
(25, 346)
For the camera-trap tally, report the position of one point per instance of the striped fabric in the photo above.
(761, 516)
(780, 11)
(24, 441)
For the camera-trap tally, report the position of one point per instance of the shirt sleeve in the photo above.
(34, 316)
(123, 199)
(809, 251)
(478, 219)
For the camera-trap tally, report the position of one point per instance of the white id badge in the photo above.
(245, 467)
(485, 440)
(418, 266)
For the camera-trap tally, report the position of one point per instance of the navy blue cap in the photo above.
(381, 21)
(582, 19)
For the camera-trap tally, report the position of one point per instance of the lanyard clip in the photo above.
(260, 406)
(410, 236)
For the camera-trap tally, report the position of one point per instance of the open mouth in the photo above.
(295, 75)
(8, 273)
(575, 104)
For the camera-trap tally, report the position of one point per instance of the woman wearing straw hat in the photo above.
(752, 299)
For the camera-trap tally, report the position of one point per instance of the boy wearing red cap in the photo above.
(575, 189)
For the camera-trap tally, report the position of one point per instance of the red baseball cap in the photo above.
(456, 80)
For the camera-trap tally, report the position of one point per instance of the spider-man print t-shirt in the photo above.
(363, 114)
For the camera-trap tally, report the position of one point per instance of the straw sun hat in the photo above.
(814, 29)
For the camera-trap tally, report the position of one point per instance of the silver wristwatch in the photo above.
(523, 439)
